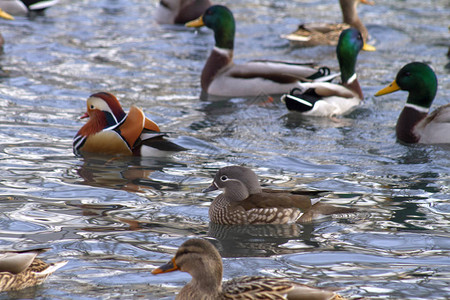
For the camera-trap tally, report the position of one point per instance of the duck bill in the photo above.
(369, 48)
(367, 2)
(196, 23)
(169, 267)
(393, 87)
(5, 15)
(212, 187)
(84, 116)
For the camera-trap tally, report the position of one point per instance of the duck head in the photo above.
(103, 110)
(220, 19)
(237, 182)
(419, 80)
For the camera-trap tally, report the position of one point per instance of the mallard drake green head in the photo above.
(203, 262)
(327, 99)
(414, 125)
(322, 33)
(221, 77)
(243, 201)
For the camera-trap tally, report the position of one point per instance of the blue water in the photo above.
(114, 221)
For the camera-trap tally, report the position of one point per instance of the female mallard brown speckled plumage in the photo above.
(203, 262)
(19, 270)
(314, 34)
(222, 78)
(415, 125)
(245, 202)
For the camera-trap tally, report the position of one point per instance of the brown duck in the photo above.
(243, 201)
(314, 34)
(203, 262)
(19, 270)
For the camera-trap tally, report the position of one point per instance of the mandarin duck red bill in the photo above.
(111, 131)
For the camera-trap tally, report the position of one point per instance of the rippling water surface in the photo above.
(114, 221)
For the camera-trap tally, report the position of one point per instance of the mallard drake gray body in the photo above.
(243, 201)
(19, 270)
(203, 262)
(111, 131)
(313, 34)
(326, 99)
(221, 77)
(415, 125)
(180, 11)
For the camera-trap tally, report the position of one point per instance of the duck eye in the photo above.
(92, 106)
(224, 178)
(407, 74)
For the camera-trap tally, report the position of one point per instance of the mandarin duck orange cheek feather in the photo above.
(111, 131)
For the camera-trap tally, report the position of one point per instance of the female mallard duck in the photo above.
(415, 125)
(245, 202)
(111, 131)
(180, 11)
(221, 77)
(19, 270)
(203, 262)
(23, 7)
(314, 34)
(326, 99)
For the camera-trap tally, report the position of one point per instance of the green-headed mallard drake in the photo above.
(111, 131)
(415, 125)
(203, 262)
(180, 11)
(19, 270)
(243, 201)
(314, 34)
(221, 77)
(23, 7)
(326, 99)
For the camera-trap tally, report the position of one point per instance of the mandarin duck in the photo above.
(203, 262)
(180, 11)
(21, 269)
(325, 99)
(415, 124)
(24, 7)
(314, 34)
(243, 201)
(221, 77)
(111, 131)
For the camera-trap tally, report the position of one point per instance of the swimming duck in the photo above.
(243, 201)
(203, 262)
(221, 77)
(313, 34)
(111, 131)
(180, 11)
(19, 270)
(23, 7)
(326, 99)
(415, 125)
